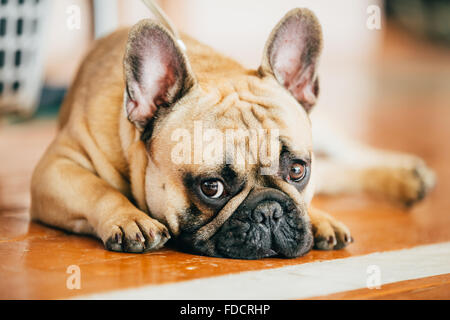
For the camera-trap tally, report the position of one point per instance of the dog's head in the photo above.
(230, 150)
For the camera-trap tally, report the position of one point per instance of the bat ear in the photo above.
(292, 55)
(157, 72)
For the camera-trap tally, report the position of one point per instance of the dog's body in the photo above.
(109, 174)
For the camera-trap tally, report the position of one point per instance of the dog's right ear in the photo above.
(157, 72)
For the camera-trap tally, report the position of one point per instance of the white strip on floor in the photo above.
(305, 280)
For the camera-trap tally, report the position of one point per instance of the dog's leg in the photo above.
(71, 197)
(329, 234)
(352, 167)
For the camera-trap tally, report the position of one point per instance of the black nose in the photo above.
(267, 223)
(267, 210)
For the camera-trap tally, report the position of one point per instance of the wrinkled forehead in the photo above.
(251, 114)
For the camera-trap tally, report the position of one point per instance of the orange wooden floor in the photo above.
(34, 258)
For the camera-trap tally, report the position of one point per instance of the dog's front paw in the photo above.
(329, 234)
(134, 233)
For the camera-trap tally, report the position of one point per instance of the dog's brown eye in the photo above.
(297, 172)
(212, 189)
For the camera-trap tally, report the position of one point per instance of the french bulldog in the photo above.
(138, 102)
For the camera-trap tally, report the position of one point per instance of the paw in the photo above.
(329, 234)
(134, 233)
(421, 181)
(410, 183)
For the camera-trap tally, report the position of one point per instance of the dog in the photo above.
(139, 97)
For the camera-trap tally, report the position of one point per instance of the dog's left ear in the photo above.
(157, 72)
(292, 55)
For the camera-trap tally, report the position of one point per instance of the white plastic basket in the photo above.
(22, 25)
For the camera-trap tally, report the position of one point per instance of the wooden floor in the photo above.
(34, 258)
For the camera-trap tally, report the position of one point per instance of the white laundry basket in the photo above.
(22, 25)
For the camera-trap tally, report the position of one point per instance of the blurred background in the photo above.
(43, 42)
(386, 63)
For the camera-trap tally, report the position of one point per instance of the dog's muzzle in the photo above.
(268, 223)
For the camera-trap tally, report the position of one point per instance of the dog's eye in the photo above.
(297, 172)
(213, 189)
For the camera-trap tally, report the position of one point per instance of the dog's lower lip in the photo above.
(268, 253)
(259, 254)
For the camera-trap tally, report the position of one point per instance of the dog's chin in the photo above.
(270, 229)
